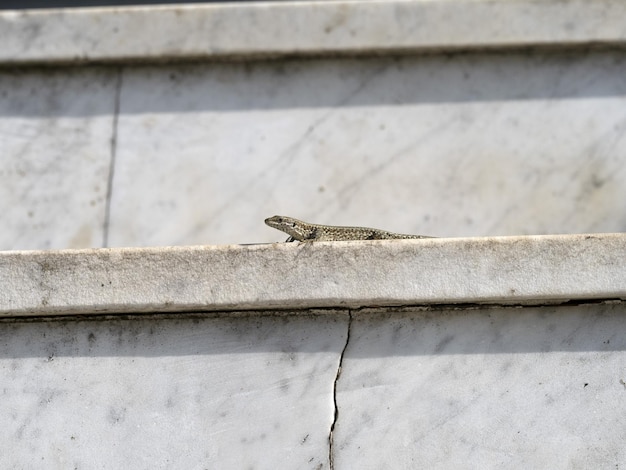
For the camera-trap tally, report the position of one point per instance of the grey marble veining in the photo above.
(509, 388)
(180, 393)
(517, 388)
(489, 144)
(506, 143)
(481, 144)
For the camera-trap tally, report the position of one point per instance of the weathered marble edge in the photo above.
(279, 29)
(504, 270)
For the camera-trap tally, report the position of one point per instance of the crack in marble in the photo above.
(336, 414)
(109, 194)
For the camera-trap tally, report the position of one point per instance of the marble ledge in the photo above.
(287, 29)
(523, 270)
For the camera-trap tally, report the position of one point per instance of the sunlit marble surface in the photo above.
(446, 146)
(515, 388)
(487, 144)
(539, 387)
(285, 29)
(55, 156)
(532, 270)
(500, 143)
(454, 146)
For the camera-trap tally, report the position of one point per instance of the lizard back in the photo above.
(304, 231)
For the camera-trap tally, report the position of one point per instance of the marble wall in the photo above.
(55, 147)
(110, 135)
(519, 388)
(448, 145)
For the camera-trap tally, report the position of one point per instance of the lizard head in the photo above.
(290, 226)
(281, 223)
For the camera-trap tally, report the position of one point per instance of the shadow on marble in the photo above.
(399, 81)
(55, 93)
(594, 327)
(224, 87)
(157, 336)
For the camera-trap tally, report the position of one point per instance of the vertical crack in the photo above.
(331, 456)
(116, 114)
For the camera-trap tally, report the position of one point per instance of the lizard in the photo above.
(306, 232)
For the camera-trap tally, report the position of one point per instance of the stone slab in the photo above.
(518, 388)
(512, 270)
(55, 139)
(514, 387)
(485, 144)
(171, 393)
(275, 29)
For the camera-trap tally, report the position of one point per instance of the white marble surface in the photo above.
(493, 144)
(504, 270)
(55, 154)
(454, 145)
(516, 388)
(539, 387)
(448, 145)
(486, 144)
(302, 28)
(179, 393)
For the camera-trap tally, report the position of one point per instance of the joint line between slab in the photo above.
(336, 411)
(116, 113)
